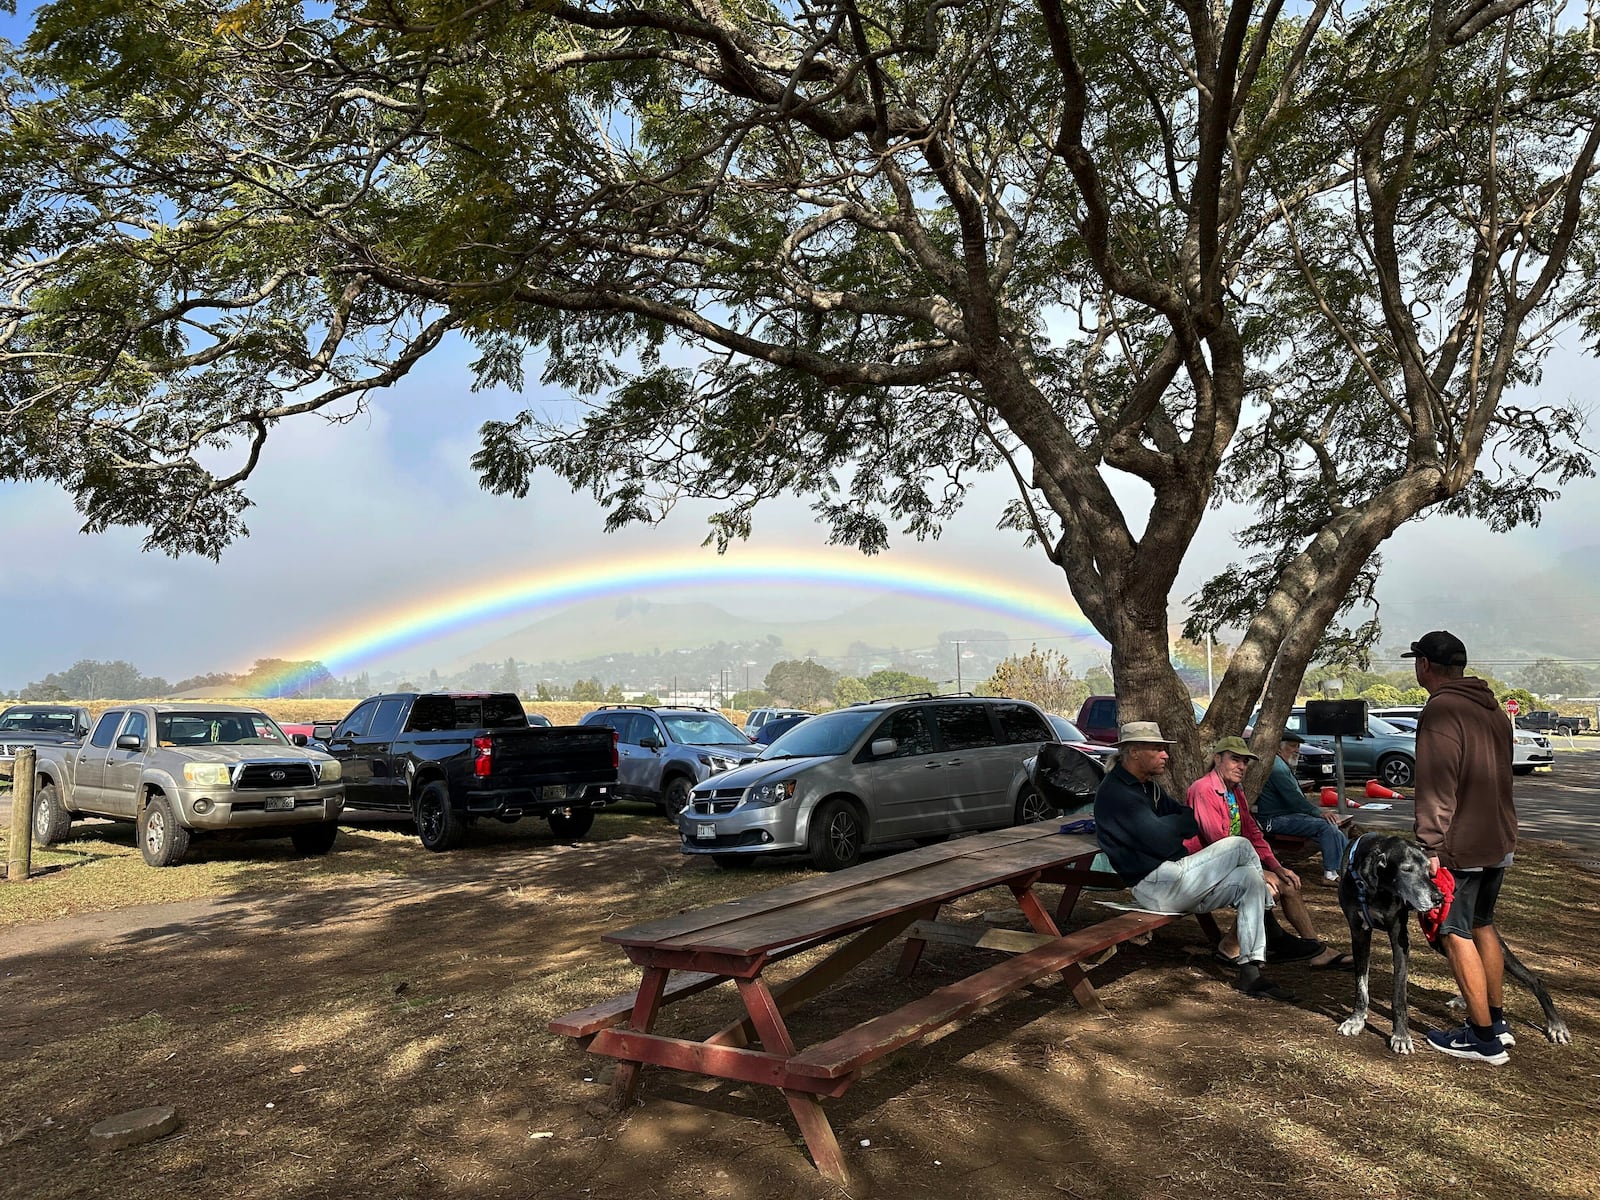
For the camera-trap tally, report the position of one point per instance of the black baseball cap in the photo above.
(1289, 735)
(1441, 648)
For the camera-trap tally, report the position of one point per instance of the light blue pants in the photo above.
(1325, 833)
(1225, 874)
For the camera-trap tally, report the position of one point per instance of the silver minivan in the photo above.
(889, 771)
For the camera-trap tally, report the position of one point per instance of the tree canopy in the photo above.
(1306, 259)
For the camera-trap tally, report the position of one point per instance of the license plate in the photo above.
(279, 804)
(705, 831)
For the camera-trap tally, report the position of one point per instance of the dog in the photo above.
(1384, 881)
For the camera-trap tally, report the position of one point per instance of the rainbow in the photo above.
(344, 651)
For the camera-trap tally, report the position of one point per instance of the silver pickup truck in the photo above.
(179, 769)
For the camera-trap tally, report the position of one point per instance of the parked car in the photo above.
(179, 770)
(446, 759)
(1544, 720)
(39, 725)
(887, 771)
(777, 727)
(1384, 752)
(664, 751)
(1097, 718)
(757, 717)
(540, 721)
(1529, 750)
(1069, 734)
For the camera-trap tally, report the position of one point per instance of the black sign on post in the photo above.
(1338, 719)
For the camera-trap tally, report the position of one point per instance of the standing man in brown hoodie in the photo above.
(1465, 820)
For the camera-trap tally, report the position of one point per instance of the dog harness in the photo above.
(1361, 884)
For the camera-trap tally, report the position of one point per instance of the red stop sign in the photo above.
(1512, 707)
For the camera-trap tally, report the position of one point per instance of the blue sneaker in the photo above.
(1463, 1043)
(1501, 1029)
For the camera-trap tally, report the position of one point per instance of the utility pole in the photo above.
(1209, 694)
(958, 665)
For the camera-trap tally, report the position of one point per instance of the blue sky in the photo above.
(386, 510)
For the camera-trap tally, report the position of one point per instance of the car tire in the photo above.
(162, 841)
(734, 862)
(51, 822)
(1032, 807)
(571, 826)
(1526, 769)
(438, 825)
(314, 839)
(1396, 771)
(835, 836)
(675, 796)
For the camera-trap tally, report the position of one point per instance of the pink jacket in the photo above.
(1208, 798)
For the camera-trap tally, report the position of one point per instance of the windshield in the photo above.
(218, 729)
(826, 736)
(39, 720)
(1066, 731)
(704, 729)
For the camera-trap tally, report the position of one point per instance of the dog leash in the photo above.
(1361, 884)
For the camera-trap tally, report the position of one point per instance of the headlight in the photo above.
(719, 762)
(331, 772)
(771, 793)
(207, 774)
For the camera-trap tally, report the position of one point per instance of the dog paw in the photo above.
(1352, 1026)
(1559, 1033)
(1401, 1043)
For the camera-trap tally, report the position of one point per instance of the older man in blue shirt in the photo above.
(1283, 808)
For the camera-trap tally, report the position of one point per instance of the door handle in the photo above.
(930, 766)
(954, 762)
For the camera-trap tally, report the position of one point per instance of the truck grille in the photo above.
(275, 776)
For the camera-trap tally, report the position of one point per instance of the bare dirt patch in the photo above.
(381, 1032)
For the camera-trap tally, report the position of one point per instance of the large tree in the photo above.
(1309, 261)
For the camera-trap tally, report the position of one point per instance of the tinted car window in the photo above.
(387, 721)
(965, 726)
(137, 726)
(356, 724)
(1022, 723)
(1103, 713)
(106, 729)
(909, 728)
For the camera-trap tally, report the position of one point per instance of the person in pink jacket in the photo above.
(1218, 801)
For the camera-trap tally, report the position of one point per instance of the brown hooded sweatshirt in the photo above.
(1464, 811)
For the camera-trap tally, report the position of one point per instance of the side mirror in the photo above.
(322, 731)
(130, 741)
(651, 742)
(884, 747)
(299, 739)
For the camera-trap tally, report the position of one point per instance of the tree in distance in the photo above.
(1045, 678)
(800, 683)
(1138, 259)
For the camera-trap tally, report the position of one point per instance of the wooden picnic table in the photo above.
(870, 905)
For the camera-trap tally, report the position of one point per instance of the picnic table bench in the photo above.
(870, 905)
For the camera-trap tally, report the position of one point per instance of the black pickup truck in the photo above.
(448, 758)
(1544, 720)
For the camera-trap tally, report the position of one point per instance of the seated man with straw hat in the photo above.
(1142, 830)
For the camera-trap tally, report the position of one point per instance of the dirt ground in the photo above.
(384, 1035)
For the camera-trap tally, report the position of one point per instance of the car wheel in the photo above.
(1396, 771)
(437, 823)
(1031, 807)
(568, 826)
(734, 862)
(1526, 769)
(51, 822)
(675, 796)
(162, 841)
(314, 839)
(835, 837)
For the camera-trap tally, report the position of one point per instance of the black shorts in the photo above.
(1473, 905)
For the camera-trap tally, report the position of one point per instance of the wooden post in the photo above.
(21, 858)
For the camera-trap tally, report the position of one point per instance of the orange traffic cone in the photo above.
(1376, 791)
(1330, 798)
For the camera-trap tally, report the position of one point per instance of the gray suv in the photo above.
(893, 770)
(663, 752)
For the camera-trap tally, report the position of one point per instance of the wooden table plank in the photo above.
(841, 911)
(667, 928)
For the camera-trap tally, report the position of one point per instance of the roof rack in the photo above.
(652, 707)
(923, 696)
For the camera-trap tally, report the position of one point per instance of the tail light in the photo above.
(483, 756)
(616, 759)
